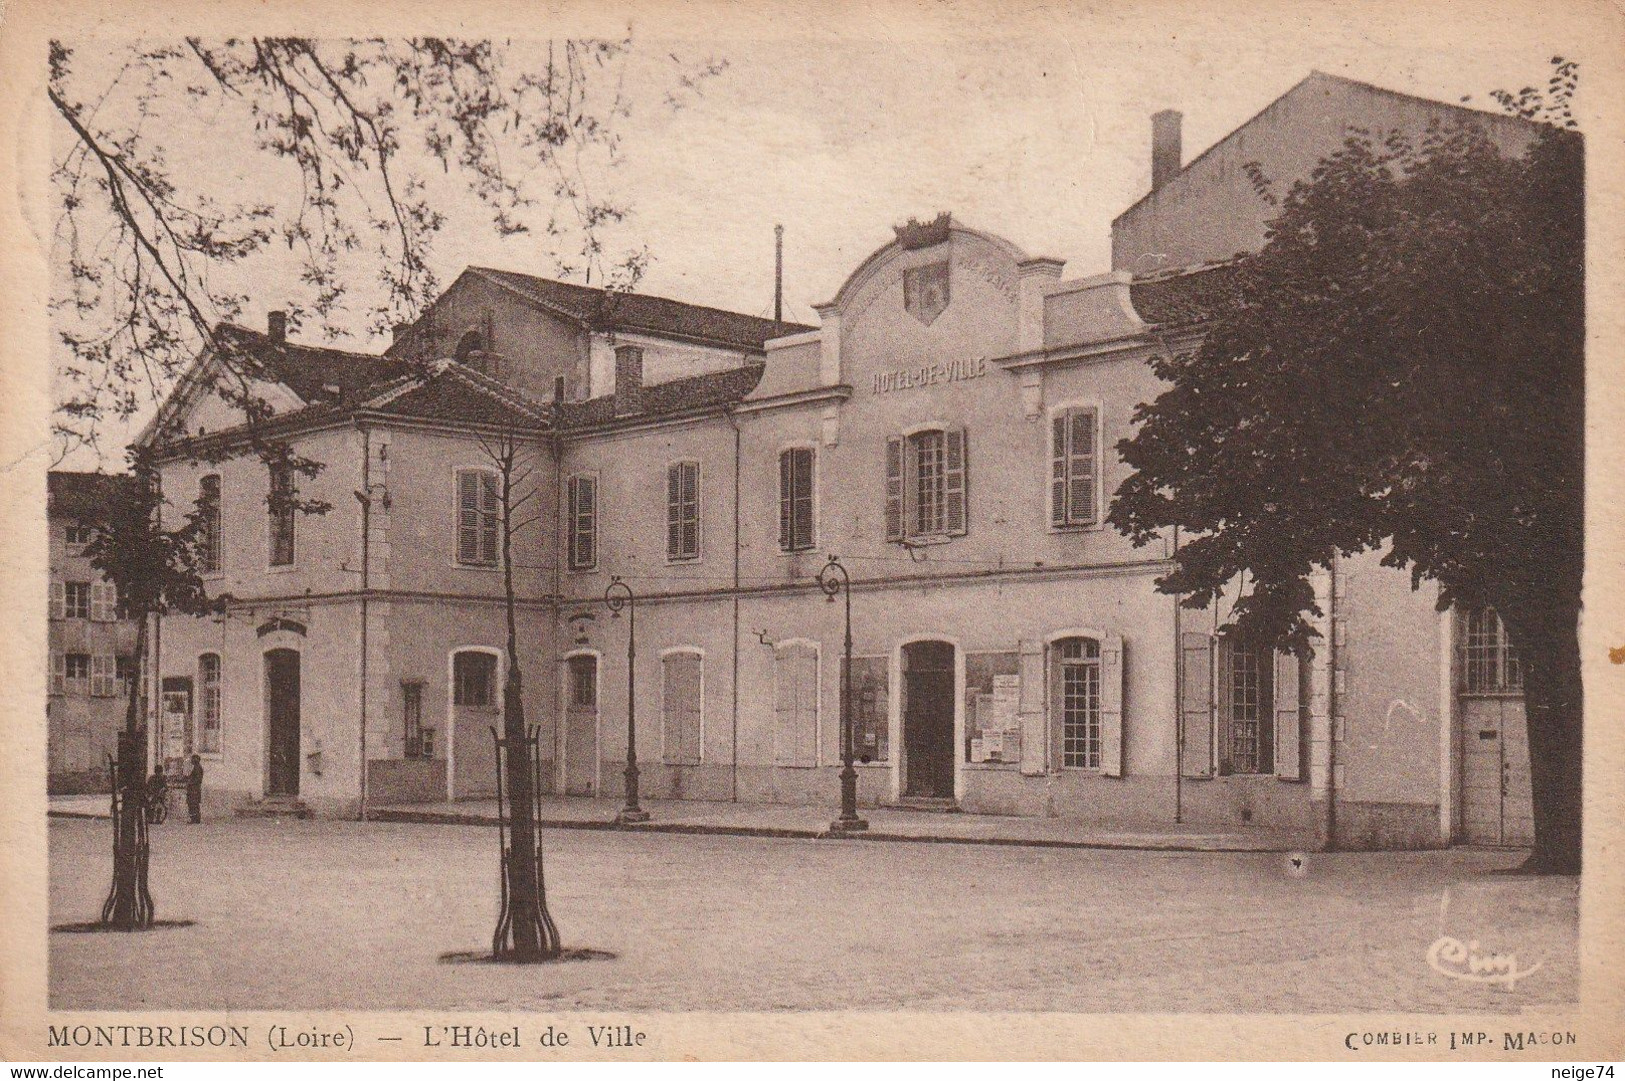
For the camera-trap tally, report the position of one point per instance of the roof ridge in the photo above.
(602, 291)
(503, 392)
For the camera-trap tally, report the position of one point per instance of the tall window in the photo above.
(1489, 661)
(583, 516)
(76, 598)
(208, 503)
(796, 499)
(583, 670)
(281, 507)
(477, 517)
(1250, 698)
(208, 700)
(419, 741)
(683, 511)
(1077, 686)
(926, 484)
(474, 678)
(680, 707)
(1072, 469)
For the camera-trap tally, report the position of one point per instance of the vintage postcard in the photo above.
(642, 531)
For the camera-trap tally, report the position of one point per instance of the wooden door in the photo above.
(581, 725)
(1496, 804)
(282, 721)
(928, 719)
(476, 709)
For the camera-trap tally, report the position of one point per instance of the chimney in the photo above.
(628, 380)
(1165, 147)
(398, 331)
(276, 324)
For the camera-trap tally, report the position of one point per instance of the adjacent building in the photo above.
(947, 430)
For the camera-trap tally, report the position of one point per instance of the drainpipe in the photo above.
(1330, 844)
(560, 532)
(365, 497)
(1179, 702)
(733, 756)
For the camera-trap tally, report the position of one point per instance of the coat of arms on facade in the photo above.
(925, 291)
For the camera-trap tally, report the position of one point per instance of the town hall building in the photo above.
(947, 430)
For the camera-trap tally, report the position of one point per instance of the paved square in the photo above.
(331, 915)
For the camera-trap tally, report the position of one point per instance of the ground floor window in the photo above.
(1250, 698)
(1077, 683)
(583, 674)
(208, 682)
(871, 725)
(419, 741)
(474, 678)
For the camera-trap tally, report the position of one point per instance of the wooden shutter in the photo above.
(894, 488)
(954, 481)
(468, 517)
(786, 500)
(1080, 467)
(1058, 459)
(801, 510)
(1196, 704)
(691, 509)
(1223, 699)
(101, 675)
(1111, 705)
(489, 517)
(59, 672)
(59, 601)
(101, 605)
(583, 519)
(1288, 719)
(573, 517)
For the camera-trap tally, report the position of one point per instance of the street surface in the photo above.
(331, 915)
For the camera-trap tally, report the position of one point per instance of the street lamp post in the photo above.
(618, 596)
(848, 822)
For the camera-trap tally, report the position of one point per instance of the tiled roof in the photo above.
(1183, 297)
(603, 309)
(84, 495)
(306, 370)
(665, 399)
(453, 392)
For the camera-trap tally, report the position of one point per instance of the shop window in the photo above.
(1489, 662)
(992, 707)
(583, 675)
(418, 741)
(474, 678)
(683, 511)
(1247, 707)
(477, 517)
(871, 728)
(795, 686)
(926, 484)
(281, 509)
(208, 683)
(796, 499)
(1073, 476)
(681, 686)
(208, 506)
(77, 600)
(583, 522)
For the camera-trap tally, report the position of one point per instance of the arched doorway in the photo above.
(282, 722)
(928, 720)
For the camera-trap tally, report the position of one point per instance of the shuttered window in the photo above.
(280, 506)
(795, 684)
(77, 600)
(76, 672)
(1247, 739)
(103, 676)
(583, 518)
(1073, 476)
(796, 499)
(477, 518)
(208, 684)
(927, 484)
(681, 676)
(1077, 686)
(103, 602)
(683, 511)
(208, 506)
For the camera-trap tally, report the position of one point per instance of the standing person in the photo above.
(194, 791)
(157, 793)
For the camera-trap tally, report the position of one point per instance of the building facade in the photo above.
(947, 431)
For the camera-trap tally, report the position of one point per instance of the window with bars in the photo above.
(417, 740)
(281, 509)
(1077, 685)
(208, 702)
(478, 516)
(474, 677)
(76, 600)
(1250, 712)
(683, 511)
(926, 484)
(1073, 475)
(208, 503)
(583, 522)
(796, 499)
(1489, 662)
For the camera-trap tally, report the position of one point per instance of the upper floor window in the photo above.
(583, 522)
(208, 684)
(474, 679)
(796, 499)
(477, 517)
(1073, 469)
(76, 670)
(104, 606)
(281, 509)
(78, 534)
(208, 505)
(1489, 660)
(76, 600)
(683, 511)
(926, 484)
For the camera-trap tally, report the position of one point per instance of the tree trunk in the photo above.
(129, 906)
(1548, 647)
(524, 893)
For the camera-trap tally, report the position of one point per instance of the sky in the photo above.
(1036, 128)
